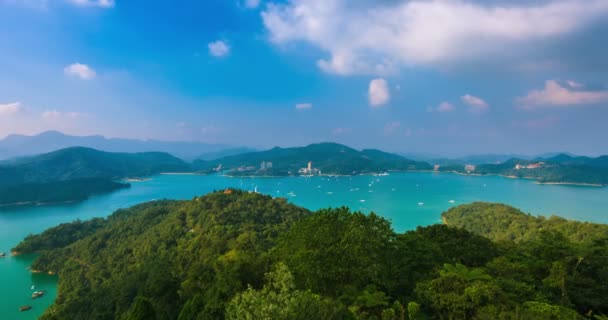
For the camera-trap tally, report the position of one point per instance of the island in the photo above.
(238, 255)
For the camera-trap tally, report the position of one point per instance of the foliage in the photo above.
(503, 223)
(213, 257)
(279, 299)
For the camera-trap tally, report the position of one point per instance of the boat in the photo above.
(25, 308)
(37, 294)
(420, 203)
(2, 254)
(451, 201)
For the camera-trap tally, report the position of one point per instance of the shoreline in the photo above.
(430, 171)
(136, 179)
(181, 174)
(582, 184)
(37, 203)
(525, 178)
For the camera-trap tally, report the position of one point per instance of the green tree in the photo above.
(141, 309)
(280, 300)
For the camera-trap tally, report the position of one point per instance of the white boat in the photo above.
(420, 203)
(451, 201)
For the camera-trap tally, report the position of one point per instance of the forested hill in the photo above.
(80, 162)
(504, 223)
(235, 255)
(60, 175)
(329, 158)
(559, 169)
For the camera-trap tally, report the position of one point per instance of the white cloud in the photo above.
(252, 4)
(10, 109)
(378, 92)
(303, 106)
(80, 70)
(476, 104)
(391, 127)
(219, 48)
(444, 107)
(94, 3)
(54, 114)
(376, 37)
(570, 93)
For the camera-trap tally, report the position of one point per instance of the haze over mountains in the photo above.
(21, 145)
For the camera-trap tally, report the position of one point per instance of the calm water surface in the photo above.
(407, 199)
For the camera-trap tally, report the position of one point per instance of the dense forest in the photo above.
(58, 191)
(236, 255)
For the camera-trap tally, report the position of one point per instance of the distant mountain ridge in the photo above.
(21, 145)
(329, 158)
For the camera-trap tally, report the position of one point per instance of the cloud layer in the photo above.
(568, 93)
(9, 109)
(376, 37)
(476, 104)
(80, 70)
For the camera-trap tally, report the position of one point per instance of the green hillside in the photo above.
(57, 191)
(79, 162)
(235, 255)
(504, 223)
(558, 169)
(75, 173)
(329, 158)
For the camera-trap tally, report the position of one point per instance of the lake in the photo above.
(407, 199)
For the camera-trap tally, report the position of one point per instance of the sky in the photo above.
(447, 77)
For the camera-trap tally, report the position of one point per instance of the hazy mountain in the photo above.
(330, 158)
(225, 153)
(80, 162)
(22, 145)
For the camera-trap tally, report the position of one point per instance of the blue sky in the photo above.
(448, 77)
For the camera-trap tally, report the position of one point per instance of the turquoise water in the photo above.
(407, 199)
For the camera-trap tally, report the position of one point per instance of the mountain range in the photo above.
(328, 158)
(22, 145)
(75, 173)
